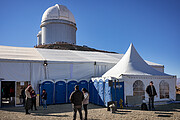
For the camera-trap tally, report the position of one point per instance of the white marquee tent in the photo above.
(137, 74)
(26, 64)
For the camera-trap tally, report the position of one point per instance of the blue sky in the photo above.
(153, 26)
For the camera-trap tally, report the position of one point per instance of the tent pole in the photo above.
(30, 72)
(94, 68)
(45, 72)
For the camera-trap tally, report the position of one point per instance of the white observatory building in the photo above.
(57, 25)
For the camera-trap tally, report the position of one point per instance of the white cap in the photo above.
(58, 12)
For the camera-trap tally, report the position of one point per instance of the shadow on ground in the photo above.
(163, 111)
(52, 110)
(122, 112)
(174, 107)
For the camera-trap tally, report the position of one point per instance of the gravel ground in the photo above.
(64, 112)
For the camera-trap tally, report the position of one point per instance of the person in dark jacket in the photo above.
(28, 101)
(33, 97)
(76, 99)
(44, 98)
(151, 91)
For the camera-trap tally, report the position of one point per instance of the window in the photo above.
(164, 89)
(138, 89)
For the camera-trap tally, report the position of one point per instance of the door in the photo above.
(49, 87)
(96, 95)
(71, 85)
(7, 93)
(118, 92)
(60, 92)
(101, 92)
(91, 91)
(20, 92)
(107, 92)
(83, 84)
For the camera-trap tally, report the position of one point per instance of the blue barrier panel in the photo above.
(101, 92)
(83, 84)
(70, 87)
(96, 89)
(49, 87)
(91, 91)
(107, 92)
(60, 92)
(118, 93)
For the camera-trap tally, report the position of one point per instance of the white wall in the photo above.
(128, 86)
(22, 71)
(100, 69)
(37, 74)
(15, 71)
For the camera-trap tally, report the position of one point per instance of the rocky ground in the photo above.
(64, 112)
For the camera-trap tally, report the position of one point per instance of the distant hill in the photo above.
(66, 46)
(178, 82)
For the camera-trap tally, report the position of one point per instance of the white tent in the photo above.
(26, 64)
(137, 74)
(132, 64)
(21, 64)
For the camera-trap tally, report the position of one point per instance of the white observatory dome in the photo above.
(58, 12)
(57, 26)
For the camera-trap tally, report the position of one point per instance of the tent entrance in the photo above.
(20, 92)
(7, 93)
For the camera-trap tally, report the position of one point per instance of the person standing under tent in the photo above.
(151, 91)
(76, 99)
(33, 95)
(28, 100)
(44, 98)
(85, 101)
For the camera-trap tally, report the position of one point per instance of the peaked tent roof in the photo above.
(132, 64)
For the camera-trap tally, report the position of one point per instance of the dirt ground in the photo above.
(64, 112)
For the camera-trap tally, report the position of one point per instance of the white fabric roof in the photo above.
(58, 12)
(132, 64)
(77, 56)
(19, 53)
(52, 55)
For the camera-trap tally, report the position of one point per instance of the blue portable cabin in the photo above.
(118, 92)
(70, 88)
(95, 91)
(101, 92)
(107, 92)
(91, 91)
(60, 91)
(83, 83)
(48, 85)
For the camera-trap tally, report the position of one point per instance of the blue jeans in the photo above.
(44, 103)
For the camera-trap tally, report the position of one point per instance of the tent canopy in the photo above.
(8, 53)
(132, 64)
